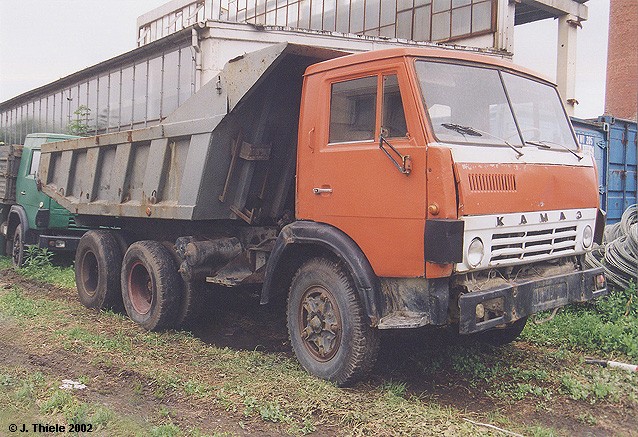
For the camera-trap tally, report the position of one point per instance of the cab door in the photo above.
(28, 194)
(358, 182)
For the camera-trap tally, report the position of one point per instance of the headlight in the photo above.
(475, 252)
(587, 237)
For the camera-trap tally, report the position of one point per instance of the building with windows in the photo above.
(184, 44)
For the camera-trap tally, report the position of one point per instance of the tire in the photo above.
(322, 293)
(502, 336)
(98, 261)
(17, 247)
(190, 306)
(151, 285)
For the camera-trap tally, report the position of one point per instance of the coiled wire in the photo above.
(618, 254)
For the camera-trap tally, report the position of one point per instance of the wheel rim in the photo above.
(140, 288)
(89, 273)
(320, 323)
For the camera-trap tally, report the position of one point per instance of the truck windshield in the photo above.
(477, 105)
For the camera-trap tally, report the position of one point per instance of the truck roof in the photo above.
(420, 52)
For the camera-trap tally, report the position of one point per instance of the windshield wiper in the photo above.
(464, 130)
(472, 131)
(546, 145)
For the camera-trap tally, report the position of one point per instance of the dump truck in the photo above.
(391, 189)
(27, 215)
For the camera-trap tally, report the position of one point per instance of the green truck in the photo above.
(27, 215)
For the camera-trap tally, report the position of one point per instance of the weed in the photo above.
(587, 419)
(35, 257)
(396, 389)
(609, 325)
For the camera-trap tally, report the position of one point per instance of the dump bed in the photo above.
(9, 164)
(227, 153)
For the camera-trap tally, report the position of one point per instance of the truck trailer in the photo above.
(27, 215)
(391, 189)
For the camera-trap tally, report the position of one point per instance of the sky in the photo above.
(44, 40)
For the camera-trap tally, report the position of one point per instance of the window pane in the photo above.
(154, 88)
(126, 101)
(186, 74)
(461, 20)
(440, 26)
(35, 162)
(482, 16)
(293, 11)
(353, 110)
(388, 13)
(171, 82)
(372, 14)
(139, 104)
(458, 3)
(92, 104)
(466, 104)
(539, 112)
(393, 123)
(422, 24)
(404, 25)
(329, 15)
(103, 102)
(405, 4)
(343, 14)
(304, 14)
(66, 101)
(440, 5)
(356, 17)
(114, 99)
(50, 110)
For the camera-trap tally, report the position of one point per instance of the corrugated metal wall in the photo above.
(614, 145)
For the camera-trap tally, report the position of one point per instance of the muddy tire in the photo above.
(191, 302)
(502, 336)
(16, 247)
(98, 261)
(151, 285)
(329, 331)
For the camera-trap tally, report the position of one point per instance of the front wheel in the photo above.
(329, 331)
(17, 248)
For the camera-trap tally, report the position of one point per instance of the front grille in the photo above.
(531, 245)
(492, 183)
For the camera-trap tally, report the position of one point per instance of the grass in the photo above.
(609, 326)
(269, 391)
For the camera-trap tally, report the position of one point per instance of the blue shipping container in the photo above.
(614, 144)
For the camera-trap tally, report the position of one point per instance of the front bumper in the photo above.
(59, 243)
(516, 300)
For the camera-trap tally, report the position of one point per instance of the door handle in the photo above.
(23, 193)
(322, 190)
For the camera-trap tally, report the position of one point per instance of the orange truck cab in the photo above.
(459, 179)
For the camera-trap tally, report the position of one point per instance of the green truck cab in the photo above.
(27, 215)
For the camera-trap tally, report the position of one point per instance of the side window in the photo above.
(35, 163)
(393, 123)
(353, 110)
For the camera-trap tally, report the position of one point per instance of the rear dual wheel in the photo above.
(98, 260)
(151, 286)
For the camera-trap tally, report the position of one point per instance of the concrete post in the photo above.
(566, 62)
